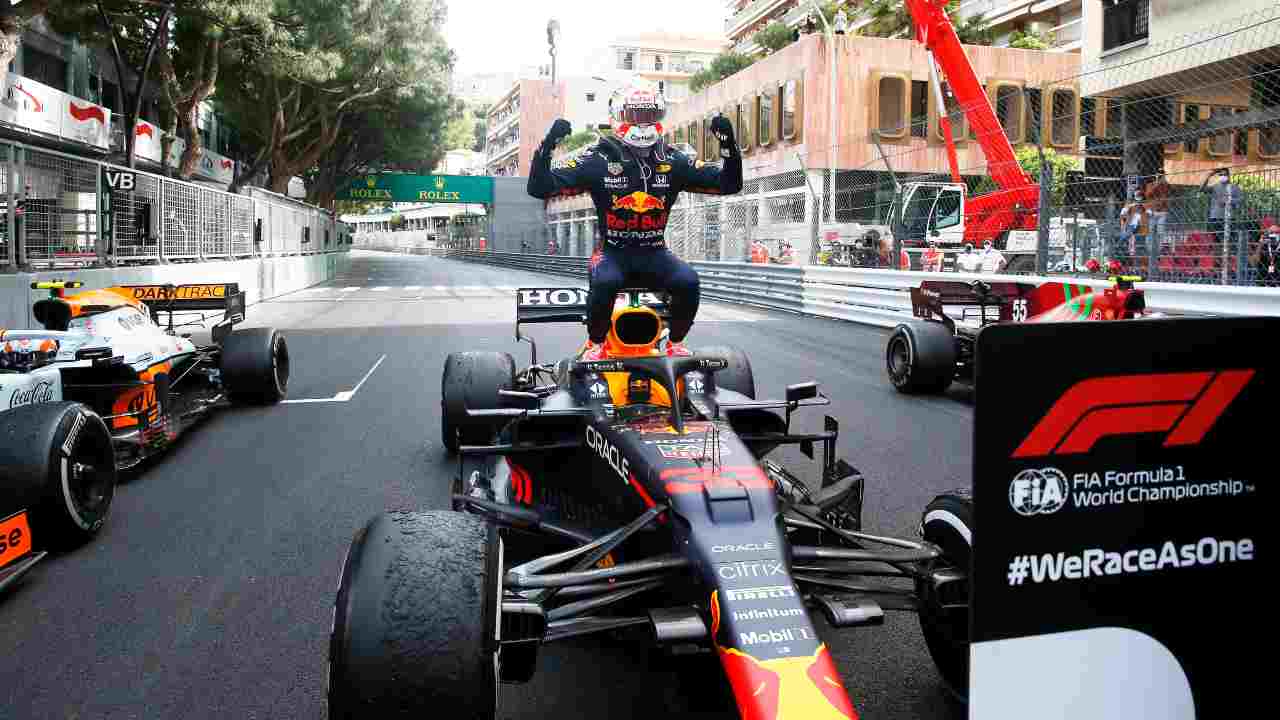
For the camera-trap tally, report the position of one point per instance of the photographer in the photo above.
(1266, 257)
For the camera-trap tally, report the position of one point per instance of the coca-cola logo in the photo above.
(41, 392)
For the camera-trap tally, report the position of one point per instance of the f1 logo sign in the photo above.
(1185, 405)
(119, 179)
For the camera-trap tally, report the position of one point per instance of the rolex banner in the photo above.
(1121, 519)
(395, 187)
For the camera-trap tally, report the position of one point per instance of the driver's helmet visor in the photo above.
(642, 113)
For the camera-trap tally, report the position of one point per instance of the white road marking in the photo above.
(351, 288)
(412, 287)
(343, 396)
(381, 288)
(439, 288)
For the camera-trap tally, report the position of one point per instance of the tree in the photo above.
(722, 66)
(1030, 40)
(775, 36)
(341, 57)
(480, 129)
(13, 18)
(890, 18)
(1028, 157)
(459, 134)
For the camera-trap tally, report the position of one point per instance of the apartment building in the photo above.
(665, 59)
(1188, 86)
(519, 119)
(748, 17)
(61, 94)
(1060, 22)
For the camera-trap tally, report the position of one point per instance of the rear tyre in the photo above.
(920, 357)
(738, 376)
(416, 621)
(472, 380)
(58, 461)
(255, 366)
(944, 611)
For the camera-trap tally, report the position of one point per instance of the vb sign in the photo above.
(118, 179)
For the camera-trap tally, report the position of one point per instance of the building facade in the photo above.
(519, 120)
(667, 60)
(1059, 22)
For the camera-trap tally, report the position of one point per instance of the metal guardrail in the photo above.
(880, 297)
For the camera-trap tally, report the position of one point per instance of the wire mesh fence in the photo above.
(63, 211)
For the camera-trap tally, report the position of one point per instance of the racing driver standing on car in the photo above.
(634, 178)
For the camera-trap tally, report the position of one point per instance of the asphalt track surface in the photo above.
(209, 593)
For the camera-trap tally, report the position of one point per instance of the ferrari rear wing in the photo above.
(192, 298)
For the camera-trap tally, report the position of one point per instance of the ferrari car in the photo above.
(105, 385)
(632, 497)
(927, 354)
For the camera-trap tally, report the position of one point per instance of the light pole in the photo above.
(553, 37)
(842, 23)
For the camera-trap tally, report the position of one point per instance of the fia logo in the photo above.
(1038, 492)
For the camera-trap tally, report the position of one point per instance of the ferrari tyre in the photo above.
(920, 357)
(58, 462)
(472, 380)
(255, 366)
(416, 621)
(944, 612)
(738, 376)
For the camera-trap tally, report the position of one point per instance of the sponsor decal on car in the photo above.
(76, 427)
(744, 547)
(766, 592)
(608, 452)
(694, 479)
(691, 450)
(180, 292)
(41, 392)
(751, 569)
(770, 637)
(15, 538)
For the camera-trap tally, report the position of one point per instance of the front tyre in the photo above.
(255, 366)
(417, 619)
(944, 606)
(472, 380)
(738, 377)
(58, 460)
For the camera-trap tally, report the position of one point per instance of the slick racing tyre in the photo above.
(920, 357)
(738, 376)
(417, 619)
(944, 608)
(59, 463)
(472, 380)
(255, 366)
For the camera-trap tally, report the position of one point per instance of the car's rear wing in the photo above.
(192, 298)
(928, 300)
(569, 305)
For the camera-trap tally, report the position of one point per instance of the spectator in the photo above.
(1266, 256)
(992, 260)
(483, 244)
(551, 247)
(968, 260)
(932, 261)
(1135, 225)
(787, 254)
(1223, 193)
(1157, 194)
(524, 246)
(759, 253)
(886, 255)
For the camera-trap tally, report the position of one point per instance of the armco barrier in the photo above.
(260, 279)
(881, 297)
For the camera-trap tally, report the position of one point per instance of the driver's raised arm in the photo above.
(710, 179)
(545, 181)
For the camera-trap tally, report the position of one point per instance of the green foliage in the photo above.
(722, 66)
(480, 128)
(1029, 158)
(889, 18)
(459, 134)
(1023, 40)
(774, 36)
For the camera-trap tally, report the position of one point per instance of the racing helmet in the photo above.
(636, 112)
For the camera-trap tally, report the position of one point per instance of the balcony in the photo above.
(1125, 24)
(1068, 36)
(750, 13)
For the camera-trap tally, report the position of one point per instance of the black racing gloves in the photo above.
(723, 130)
(560, 129)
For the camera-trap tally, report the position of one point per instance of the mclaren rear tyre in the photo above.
(944, 604)
(255, 366)
(472, 380)
(417, 619)
(59, 462)
(738, 376)
(920, 357)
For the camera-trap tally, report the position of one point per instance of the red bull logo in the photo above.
(789, 688)
(639, 201)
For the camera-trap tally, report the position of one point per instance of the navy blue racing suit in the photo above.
(633, 195)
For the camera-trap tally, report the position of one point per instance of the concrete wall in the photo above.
(260, 279)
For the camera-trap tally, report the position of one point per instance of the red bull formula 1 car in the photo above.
(104, 385)
(929, 353)
(632, 496)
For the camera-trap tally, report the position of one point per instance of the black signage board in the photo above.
(1122, 518)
